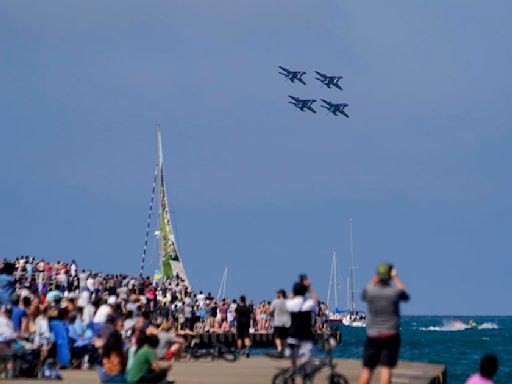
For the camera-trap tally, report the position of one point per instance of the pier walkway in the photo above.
(259, 370)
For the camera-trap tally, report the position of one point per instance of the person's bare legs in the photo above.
(385, 375)
(279, 344)
(365, 376)
(247, 342)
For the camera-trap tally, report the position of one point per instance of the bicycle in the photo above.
(216, 352)
(309, 369)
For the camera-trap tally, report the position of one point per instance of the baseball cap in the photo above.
(384, 271)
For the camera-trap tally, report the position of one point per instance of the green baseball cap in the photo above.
(384, 271)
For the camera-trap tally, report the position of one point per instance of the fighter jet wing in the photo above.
(311, 108)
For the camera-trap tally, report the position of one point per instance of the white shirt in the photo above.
(102, 313)
(88, 315)
(42, 332)
(300, 304)
(90, 284)
(6, 329)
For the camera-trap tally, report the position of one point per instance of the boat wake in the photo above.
(454, 326)
(446, 328)
(488, 326)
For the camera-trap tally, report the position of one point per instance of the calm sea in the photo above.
(439, 339)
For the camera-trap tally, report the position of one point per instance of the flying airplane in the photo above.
(302, 104)
(329, 81)
(292, 75)
(335, 108)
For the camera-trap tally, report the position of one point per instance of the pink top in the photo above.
(478, 379)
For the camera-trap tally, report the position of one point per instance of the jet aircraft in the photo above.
(292, 75)
(329, 81)
(302, 104)
(335, 108)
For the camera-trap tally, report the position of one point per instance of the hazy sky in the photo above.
(422, 165)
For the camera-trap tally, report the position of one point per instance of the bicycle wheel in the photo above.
(229, 356)
(280, 377)
(337, 378)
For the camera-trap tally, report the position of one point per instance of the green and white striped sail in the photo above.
(170, 259)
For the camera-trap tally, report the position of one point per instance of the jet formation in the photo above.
(307, 104)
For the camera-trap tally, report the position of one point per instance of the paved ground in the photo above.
(257, 370)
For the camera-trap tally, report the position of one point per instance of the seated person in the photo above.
(81, 343)
(169, 345)
(7, 333)
(113, 362)
(145, 367)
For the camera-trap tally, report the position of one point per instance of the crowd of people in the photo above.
(80, 318)
(130, 328)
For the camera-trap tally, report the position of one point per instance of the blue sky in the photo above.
(421, 165)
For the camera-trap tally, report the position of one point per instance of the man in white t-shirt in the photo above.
(101, 317)
(201, 298)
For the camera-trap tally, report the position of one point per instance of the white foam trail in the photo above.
(488, 326)
(452, 326)
(448, 326)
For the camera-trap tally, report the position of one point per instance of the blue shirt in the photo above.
(6, 288)
(17, 314)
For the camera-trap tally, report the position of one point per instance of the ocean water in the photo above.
(438, 339)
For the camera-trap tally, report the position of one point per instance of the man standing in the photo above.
(243, 322)
(282, 320)
(383, 324)
(300, 334)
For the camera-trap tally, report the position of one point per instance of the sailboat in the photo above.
(171, 263)
(336, 316)
(354, 318)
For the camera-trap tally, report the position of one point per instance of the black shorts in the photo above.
(381, 351)
(242, 331)
(280, 333)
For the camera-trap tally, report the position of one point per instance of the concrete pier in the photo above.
(258, 370)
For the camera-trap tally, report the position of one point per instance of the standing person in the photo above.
(282, 320)
(383, 324)
(7, 283)
(488, 368)
(19, 315)
(300, 334)
(243, 322)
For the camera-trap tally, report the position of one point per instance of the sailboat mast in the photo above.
(335, 281)
(330, 283)
(348, 292)
(352, 278)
